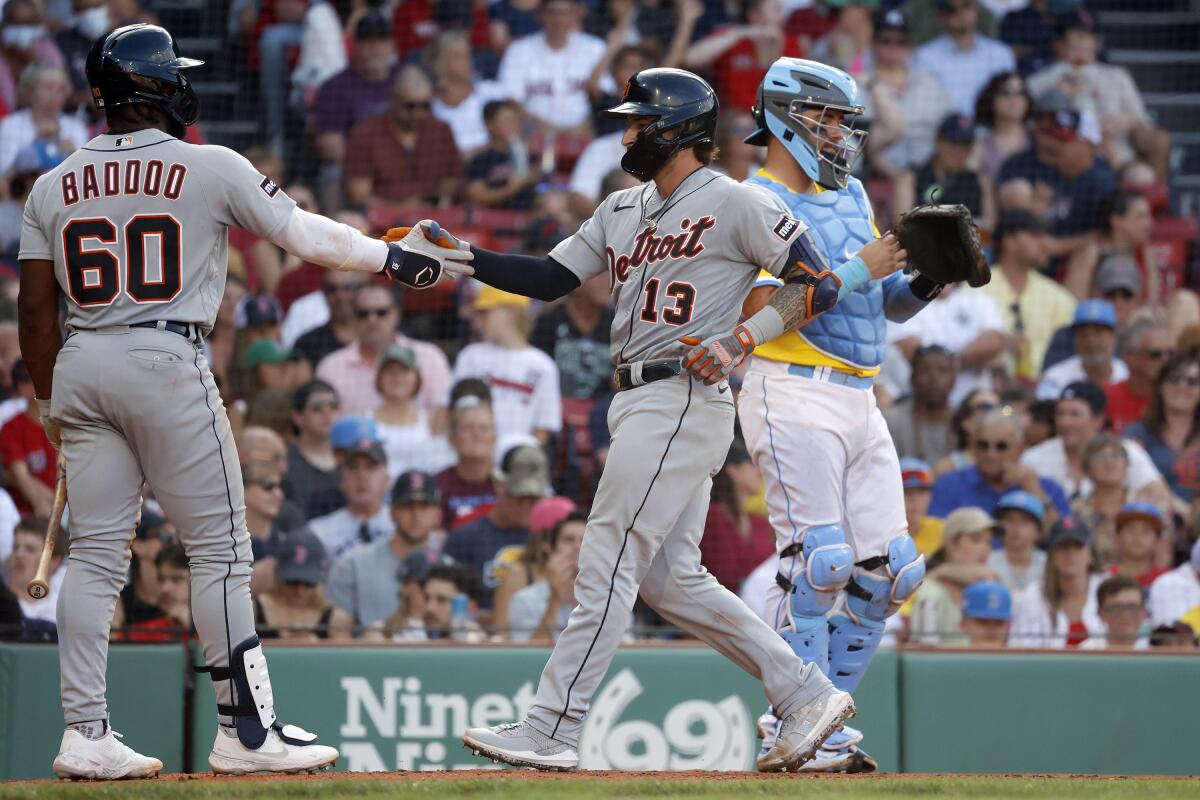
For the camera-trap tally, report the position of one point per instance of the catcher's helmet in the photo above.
(141, 64)
(681, 101)
(793, 85)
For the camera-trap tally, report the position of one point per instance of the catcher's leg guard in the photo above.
(819, 568)
(870, 599)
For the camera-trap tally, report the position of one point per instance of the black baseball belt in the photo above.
(639, 373)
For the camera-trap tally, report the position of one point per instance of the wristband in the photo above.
(924, 288)
(43, 407)
(853, 274)
(764, 325)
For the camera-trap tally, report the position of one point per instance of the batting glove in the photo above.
(715, 358)
(419, 255)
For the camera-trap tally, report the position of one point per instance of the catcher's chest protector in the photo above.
(854, 330)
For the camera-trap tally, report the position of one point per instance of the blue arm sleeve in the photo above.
(899, 302)
(539, 278)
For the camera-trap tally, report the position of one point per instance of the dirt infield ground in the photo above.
(528, 785)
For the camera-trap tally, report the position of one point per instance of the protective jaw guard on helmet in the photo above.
(141, 64)
(682, 102)
(794, 85)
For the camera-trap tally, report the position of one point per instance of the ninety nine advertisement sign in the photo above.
(405, 708)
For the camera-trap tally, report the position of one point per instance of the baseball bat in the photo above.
(39, 587)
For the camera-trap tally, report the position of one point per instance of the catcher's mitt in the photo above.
(943, 244)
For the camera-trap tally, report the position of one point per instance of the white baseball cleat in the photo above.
(802, 733)
(521, 745)
(103, 759)
(283, 751)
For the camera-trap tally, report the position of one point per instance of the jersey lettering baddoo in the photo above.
(679, 266)
(137, 226)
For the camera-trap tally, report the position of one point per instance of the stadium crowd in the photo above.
(419, 465)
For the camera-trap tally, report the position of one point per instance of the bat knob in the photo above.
(37, 589)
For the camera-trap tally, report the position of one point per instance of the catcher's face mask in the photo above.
(837, 146)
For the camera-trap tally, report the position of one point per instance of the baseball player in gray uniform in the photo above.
(681, 253)
(132, 231)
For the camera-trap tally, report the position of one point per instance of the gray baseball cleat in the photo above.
(521, 745)
(802, 733)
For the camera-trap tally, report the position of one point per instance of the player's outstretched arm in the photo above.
(805, 294)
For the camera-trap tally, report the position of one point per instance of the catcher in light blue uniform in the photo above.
(846, 561)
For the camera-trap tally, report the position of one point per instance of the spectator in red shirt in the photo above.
(1145, 345)
(30, 463)
(737, 56)
(403, 157)
(1139, 530)
(735, 541)
(466, 487)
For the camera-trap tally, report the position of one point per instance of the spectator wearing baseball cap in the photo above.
(917, 477)
(546, 514)
(1139, 531)
(1106, 91)
(1063, 161)
(1079, 415)
(948, 176)
(366, 581)
(1177, 593)
(295, 608)
(1093, 330)
(494, 543)
(917, 94)
(986, 614)
(961, 561)
(524, 381)
(1171, 424)
(1145, 345)
(1033, 306)
(1019, 562)
(359, 91)
(364, 484)
(405, 428)
(1122, 602)
(1062, 610)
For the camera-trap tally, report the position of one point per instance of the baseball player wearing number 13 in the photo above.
(681, 253)
(846, 561)
(132, 229)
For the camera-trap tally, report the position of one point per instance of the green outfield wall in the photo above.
(660, 708)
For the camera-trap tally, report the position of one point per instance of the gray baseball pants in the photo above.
(668, 439)
(136, 405)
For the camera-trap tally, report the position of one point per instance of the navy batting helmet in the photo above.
(141, 64)
(681, 101)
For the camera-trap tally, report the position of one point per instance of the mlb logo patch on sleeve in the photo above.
(269, 187)
(786, 227)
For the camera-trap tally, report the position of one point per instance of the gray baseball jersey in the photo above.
(136, 225)
(680, 266)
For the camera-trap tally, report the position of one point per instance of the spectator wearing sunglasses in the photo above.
(351, 370)
(1079, 416)
(962, 424)
(1172, 420)
(1145, 345)
(996, 443)
(405, 156)
(312, 474)
(262, 483)
(337, 292)
(1093, 329)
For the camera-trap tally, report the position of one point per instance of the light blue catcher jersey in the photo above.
(851, 335)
